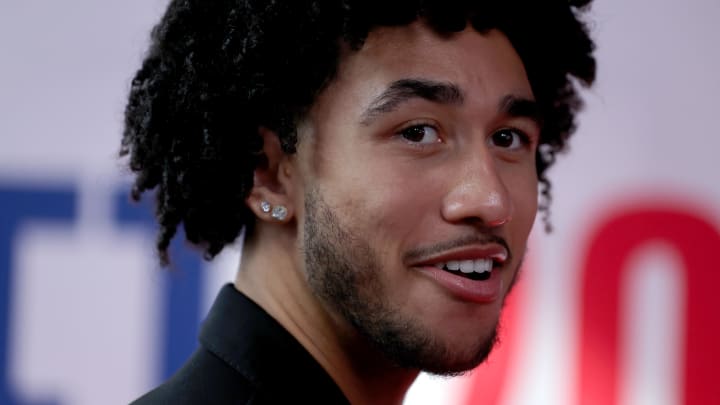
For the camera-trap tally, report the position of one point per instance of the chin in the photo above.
(457, 361)
(419, 349)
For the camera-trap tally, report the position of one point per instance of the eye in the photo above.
(509, 139)
(420, 134)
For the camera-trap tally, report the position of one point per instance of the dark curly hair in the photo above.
(218, 70)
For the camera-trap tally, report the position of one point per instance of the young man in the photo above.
(384, 160)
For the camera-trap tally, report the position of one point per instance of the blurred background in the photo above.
(618, 305)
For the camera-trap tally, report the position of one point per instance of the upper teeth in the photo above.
(467, 266)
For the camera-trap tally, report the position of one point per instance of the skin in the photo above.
(379, 198)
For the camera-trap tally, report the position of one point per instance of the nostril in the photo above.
(499, 222)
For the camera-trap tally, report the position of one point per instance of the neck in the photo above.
(270, 276)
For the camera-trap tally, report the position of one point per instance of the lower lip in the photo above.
(480, 291)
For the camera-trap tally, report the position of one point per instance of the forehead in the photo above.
(479, 63)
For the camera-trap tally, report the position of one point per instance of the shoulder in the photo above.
(246, 357)
(203, 379)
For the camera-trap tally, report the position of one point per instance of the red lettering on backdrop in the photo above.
(698, 245)
(488, 380)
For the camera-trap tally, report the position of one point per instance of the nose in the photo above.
(478, 195)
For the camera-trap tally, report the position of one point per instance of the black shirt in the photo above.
(246, 357)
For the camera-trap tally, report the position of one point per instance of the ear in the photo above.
(270, 198)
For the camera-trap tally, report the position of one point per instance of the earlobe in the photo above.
(277, 212)
(270, 198)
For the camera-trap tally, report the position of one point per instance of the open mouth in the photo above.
(479, 269)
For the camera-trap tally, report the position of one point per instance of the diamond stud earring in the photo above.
(279, 212)
(265, 206)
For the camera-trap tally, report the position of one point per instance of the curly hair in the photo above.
(218, 70)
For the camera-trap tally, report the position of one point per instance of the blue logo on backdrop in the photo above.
(19, 205)
(181, 292)
(180, 289)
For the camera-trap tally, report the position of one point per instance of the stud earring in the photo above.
(265, 206)
(279, 213)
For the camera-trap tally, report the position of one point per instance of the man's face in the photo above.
(419, 158)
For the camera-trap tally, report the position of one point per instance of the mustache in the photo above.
(424, 252)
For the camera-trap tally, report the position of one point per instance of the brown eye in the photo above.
(421, 134)
(509, 139)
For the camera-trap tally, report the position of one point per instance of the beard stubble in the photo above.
(345, 272)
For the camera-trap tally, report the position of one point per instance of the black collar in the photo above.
(255, 345)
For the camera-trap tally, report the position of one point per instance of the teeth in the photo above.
(453, 265)
(481, 266)
(467, 266)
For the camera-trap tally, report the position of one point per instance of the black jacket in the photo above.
(246, 357)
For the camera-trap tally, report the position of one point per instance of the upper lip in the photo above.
(498, 253)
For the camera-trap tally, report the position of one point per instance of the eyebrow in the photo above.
(404, 90)
(520, 107)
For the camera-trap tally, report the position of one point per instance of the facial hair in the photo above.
(345, 272)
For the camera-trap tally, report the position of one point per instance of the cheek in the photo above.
(396, 204)
(523, 191)
(386, 206)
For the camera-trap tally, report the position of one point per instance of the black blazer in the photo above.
(246, 357)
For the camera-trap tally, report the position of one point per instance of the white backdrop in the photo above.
(617, 305)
